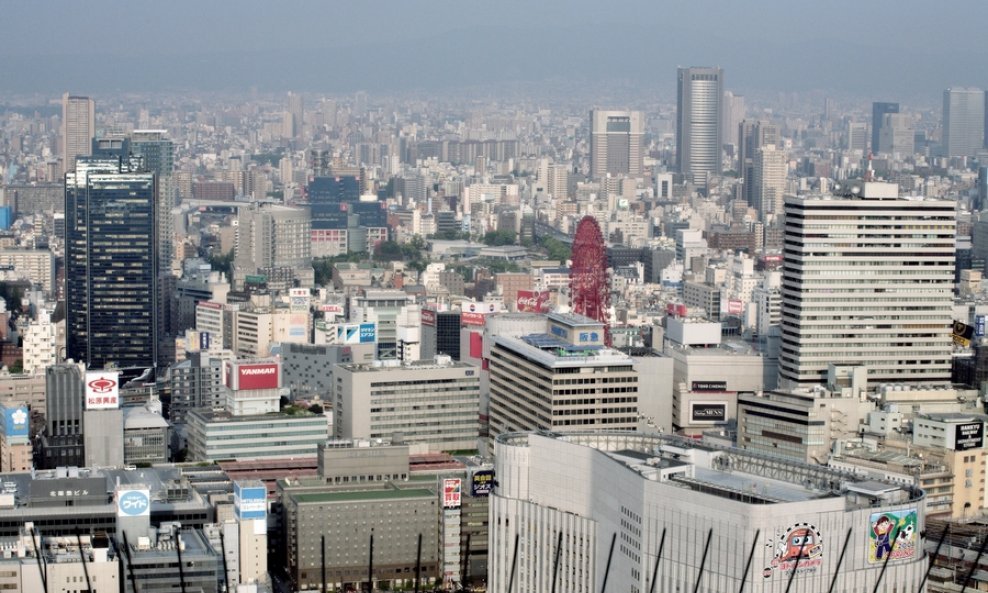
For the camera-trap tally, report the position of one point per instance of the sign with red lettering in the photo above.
(428, 317)
(529, 301)
(102, 390)
(468, 318)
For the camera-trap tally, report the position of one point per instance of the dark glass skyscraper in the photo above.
(111, 264)
(878, 112)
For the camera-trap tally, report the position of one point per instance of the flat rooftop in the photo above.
(362, 495)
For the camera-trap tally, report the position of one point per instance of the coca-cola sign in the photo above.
(529, 301)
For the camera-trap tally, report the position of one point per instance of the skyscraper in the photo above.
(296, 110)
(699, 125)
(616, 142)
(963, 121)
(867, 279)
(111, 265)
(752, 135)
(878, 112)
(78, 128)
(769, 181)
(158, 155)
(896, 135)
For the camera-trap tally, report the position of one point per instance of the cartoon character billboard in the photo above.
(799, 548)
(892, 535)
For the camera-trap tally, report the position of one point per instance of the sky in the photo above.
(871, 48)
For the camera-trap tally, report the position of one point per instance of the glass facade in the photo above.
(111, 263)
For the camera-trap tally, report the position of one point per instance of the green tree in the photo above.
(222, 263)
(499, 238)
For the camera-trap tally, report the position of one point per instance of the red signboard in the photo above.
(468, 318)
(257, 376)
(735, 307)
(529, 301)
(428, 317)
(210, 305)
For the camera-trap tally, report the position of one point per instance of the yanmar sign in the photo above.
(257, 376)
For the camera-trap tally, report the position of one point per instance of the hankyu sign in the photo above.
(452, 493)
(102, 390)
(969, 436)
(708, 412)
(428, 317)
(529, 301)
(257, 376)
(16, 421)
(133, 503)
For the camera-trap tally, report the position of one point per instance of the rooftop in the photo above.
(362, 495)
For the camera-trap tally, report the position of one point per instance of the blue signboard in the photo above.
(368, 333)
(979, 326)
(16, 421)
(250, 502)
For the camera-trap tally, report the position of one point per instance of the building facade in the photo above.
(699, 111)
(616, 143)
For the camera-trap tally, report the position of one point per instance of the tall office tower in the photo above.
(273, 241)
(769, 181)
(296, 110)
(699, 128)
(857, 136)
(752, 135)
(62, 441)
(878, 112)
(78, 128)
(897, 135)
(616, 142)
(963, 121)
(867, 279)
(158, 155)
(111, 263)
(732, 117)
(981, 200)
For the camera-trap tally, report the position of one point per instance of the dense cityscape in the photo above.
(536, 339)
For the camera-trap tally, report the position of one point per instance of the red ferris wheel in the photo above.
(589, 289)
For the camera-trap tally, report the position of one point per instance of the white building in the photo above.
(40, 344)
(868, 279)
(726, 515)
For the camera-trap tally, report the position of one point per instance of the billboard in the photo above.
(356, 333)
(892, 535)
(102, 390)
(709, 386)
(482, 482)
(428, 317)
(204, 340)
(468, 318)
(798, 548)
(979, 326)
(257, 376)
(15, 421)
(969, 436)
(963, 334)
(250, 502)
(298, 300)
(133, 503)
(334, 309)
(708, 412)
(529, 301)
(735, 307)
(452, 493)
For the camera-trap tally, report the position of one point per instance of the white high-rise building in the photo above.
(78, 128)
(867, 280)
(40, 344)
(699, 125)
(616, 142)
(769, 183)
(963, 121)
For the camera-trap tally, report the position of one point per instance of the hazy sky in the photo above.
(880, 48)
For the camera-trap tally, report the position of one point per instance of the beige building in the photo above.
(434, 403)
(34, 265)
(273, 241)
(78, 128)
(20, 569)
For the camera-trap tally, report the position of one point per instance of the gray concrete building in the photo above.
(433, 402)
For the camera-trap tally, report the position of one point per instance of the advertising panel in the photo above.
(210, 305)
(708, 412)
(529, 301)
(475, 319)
(963, 334)
(204, 340)
(257, 376)
(482, 482)
(298, 300)
(709, 386)
(452, 493)
(735, 307)
(102, 390)
(798, 548)
(969, 436)
(428, 317)
(979, 326)
(133, 503)
(335, 309)
(892, 535)
(15, 422)
(250, 502)
(356, 333)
